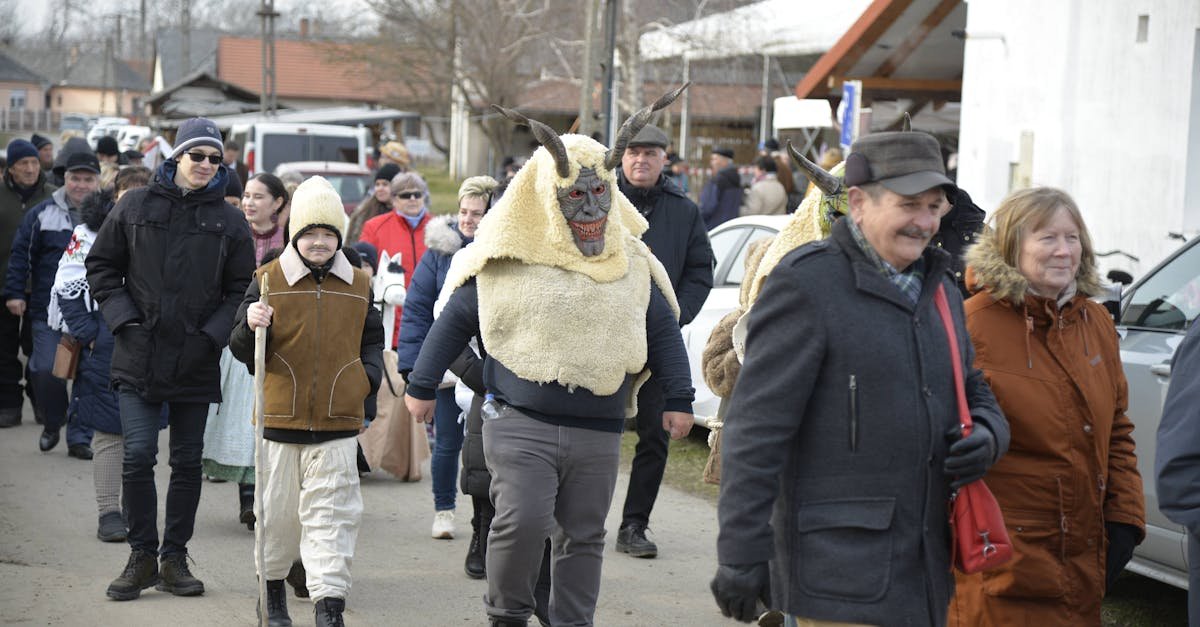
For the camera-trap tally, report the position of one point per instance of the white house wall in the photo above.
(1109, 116)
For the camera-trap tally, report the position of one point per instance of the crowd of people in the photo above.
(543, 315)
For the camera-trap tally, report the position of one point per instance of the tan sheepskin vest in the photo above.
(315, 380)
(548, 324)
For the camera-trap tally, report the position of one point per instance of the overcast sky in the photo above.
(33, 16)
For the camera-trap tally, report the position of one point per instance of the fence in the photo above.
(29, 120)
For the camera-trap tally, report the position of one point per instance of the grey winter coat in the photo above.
(1177, 463)
(835, 439)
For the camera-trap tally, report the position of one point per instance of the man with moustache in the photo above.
(169, 268)
(678, 240)
(842, 444)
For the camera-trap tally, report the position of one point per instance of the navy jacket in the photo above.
(442, 240)
(93, 402)
(721, 198)
(37, 247)
(1177, 463)
(677, 238)
(169, 270)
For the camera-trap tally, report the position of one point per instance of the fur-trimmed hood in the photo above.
(442, 235)
(987, 269)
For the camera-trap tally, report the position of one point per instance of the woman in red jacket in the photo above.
(402, 230)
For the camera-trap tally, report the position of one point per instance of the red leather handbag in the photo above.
(980, 539)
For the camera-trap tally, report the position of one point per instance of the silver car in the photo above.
(1155, 314)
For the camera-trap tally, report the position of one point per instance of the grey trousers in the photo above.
(547, 481)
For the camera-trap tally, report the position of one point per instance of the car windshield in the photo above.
(1170, 298)
(351, 187)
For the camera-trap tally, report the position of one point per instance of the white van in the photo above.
(130, 137)
(265, 145)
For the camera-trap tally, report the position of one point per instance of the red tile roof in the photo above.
(303, 69)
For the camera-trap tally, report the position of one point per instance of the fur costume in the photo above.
(537, 291)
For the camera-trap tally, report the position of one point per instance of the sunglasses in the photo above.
(410, 195)
(199, 156)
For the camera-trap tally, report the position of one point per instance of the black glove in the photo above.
(1121, 540)
(738, 588)
(404, 375)
(969, 457)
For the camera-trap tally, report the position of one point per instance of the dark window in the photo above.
(1170, 298)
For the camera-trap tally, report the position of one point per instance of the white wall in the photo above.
(1109, 115)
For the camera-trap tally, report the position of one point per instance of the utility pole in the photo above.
(185, 28)
(266, 99)
(610, 70)
(106, 73)
(585, 90)
(142, 31)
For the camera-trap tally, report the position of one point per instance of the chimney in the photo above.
(304, 28)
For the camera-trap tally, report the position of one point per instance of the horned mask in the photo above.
(584, 189)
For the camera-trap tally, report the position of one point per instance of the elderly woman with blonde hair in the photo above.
(1069, 486)
(444, 236)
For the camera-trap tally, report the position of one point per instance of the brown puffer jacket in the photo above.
(1070, 467)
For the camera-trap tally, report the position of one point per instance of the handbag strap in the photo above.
(943, 307)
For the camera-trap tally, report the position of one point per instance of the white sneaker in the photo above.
(443, 524)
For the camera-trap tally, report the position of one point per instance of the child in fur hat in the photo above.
(311, 493)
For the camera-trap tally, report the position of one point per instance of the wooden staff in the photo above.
(260, 374)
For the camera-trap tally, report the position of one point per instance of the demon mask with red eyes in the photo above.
(587, 200)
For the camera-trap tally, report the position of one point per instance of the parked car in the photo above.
(730, 242)
(352, 181)
(129, 137)
(105, 126)
(73, 122)
(265, 145)
(1155, 314)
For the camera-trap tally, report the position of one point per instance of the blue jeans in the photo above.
(49, 390)
(140, 422)
(446, 448)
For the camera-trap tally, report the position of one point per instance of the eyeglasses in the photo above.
(199, 156)
(410, 195)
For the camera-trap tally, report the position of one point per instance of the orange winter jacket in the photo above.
(1070, 467)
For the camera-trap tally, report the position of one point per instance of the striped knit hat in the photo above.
(197, 132)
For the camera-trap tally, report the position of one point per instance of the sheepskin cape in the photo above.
(546, 312)
(807, 224)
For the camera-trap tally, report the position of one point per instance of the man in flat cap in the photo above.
(837, 459)
(678, 239)
(721, 197)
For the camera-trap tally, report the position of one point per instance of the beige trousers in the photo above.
(312, 509)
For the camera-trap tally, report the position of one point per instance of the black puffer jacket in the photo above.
(171, 304)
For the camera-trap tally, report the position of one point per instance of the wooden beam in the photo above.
(863, 34)
(913, 85)
(916, 36)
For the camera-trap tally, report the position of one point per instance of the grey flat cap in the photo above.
(650, 135)
(906, 162)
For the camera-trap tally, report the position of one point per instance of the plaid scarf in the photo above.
(909, 281)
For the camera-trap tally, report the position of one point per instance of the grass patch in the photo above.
(443, 190)
(685, 463)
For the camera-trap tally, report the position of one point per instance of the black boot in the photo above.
(176, 578)
(246, 500)
(481, 522)
(140, 573)
(277, 614)
(329, 612)
(298, 579)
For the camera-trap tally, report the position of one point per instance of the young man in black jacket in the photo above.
(169, 268)
(677, 238)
